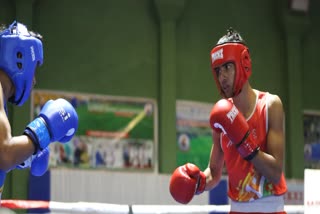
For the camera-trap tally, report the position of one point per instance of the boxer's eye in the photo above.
(228, 65)
(217, 70)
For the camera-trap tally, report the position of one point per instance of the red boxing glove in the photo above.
(185, 182)
(226, 117)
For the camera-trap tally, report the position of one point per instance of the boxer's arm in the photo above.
(270, 163)
(10, 153)
(14, 150)
(214, 171)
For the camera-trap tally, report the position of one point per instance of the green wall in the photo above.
(160, 49)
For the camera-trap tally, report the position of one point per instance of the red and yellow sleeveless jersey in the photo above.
(244, 182)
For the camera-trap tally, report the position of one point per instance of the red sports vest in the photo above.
(244, 182)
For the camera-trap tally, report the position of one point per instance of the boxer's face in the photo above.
(226, 75)
(7, 85)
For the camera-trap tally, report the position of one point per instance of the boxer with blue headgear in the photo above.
(21, 52)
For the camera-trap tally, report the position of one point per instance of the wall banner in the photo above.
(194, 134)
(116, 133)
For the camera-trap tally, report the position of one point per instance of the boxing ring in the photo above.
(95, 195)
(90, 207)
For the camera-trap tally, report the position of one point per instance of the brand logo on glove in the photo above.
(217, 55)
(64, 115)
(232, 114)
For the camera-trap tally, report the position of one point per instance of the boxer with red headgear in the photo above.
(231, 48)
(21, 53)
(248, 135)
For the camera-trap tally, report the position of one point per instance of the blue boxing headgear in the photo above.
(20, 54)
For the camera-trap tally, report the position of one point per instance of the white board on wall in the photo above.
(311, 191)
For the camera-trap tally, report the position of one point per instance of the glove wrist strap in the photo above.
(201, 183)
(38, 132)
(247, 148)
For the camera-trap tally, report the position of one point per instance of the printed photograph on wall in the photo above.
(115, 133)
(311, 125)
(194, 134)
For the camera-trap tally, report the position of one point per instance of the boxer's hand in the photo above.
(226, 117)
(185, 182)
(57, 121)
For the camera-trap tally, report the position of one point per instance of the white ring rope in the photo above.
(91, 207)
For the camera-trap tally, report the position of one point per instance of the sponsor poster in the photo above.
(311, 125)
(194, 134)
(115, 133)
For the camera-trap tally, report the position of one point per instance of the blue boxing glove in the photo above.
(40, 162)
(57, 122)
(37, 163)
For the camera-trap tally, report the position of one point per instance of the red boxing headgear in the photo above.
(232, 51)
